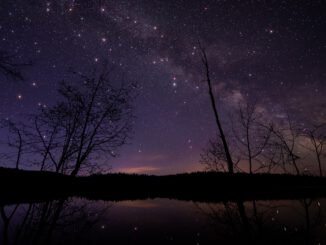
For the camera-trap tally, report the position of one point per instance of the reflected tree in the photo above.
(44, 223)
(6, 218)
(235, 222)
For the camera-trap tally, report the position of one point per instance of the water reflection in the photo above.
(268, 222)
(164, 221)
(49, 222)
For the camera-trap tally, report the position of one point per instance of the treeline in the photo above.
(201, 186)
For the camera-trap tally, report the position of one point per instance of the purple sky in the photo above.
(273, 52)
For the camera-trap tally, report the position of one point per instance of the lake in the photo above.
(164, 221)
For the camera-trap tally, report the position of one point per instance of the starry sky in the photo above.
(273, 52)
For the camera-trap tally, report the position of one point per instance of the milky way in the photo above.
(273, 52)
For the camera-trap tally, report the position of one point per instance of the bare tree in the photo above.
(214, 159)
(16, 140)
(10, 68)
(91, 121)
(93, 118)
(250, 139)
(228, 157)
(317, 138)
(283, 144)
(213, 156)
(251, 136)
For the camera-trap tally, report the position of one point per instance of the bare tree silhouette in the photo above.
(16, 141)
(250, 139)
(11, 68)
(228, 157)
(92, 120)
(213, 156)
(284, 143)
(251, 136)
(93, 117)
(317, 138)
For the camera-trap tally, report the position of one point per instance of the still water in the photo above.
(164, 221)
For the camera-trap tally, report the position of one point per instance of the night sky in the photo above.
(273, 52)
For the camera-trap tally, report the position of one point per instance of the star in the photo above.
(270, 31)
(155, 43)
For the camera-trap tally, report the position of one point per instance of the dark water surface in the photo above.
(164, 221)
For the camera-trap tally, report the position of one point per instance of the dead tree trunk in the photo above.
(217, 119)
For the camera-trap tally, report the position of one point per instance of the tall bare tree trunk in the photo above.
(20, 145)
(217, 120)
